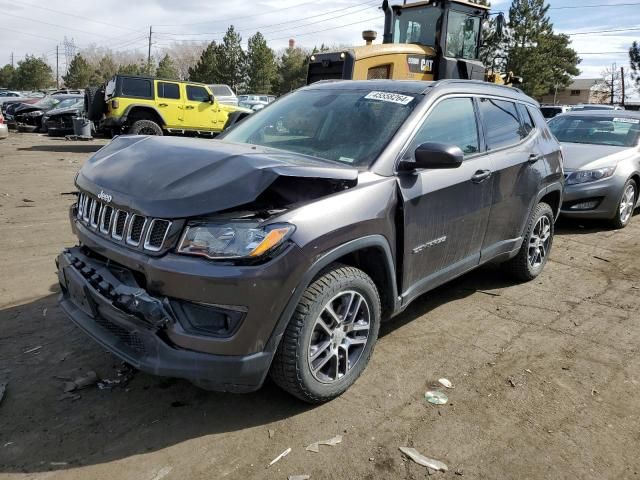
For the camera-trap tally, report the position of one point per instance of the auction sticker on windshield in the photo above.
(389, 97)
(627, 120)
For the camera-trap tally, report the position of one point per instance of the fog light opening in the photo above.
(586, 205)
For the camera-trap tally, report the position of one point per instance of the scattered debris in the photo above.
(90, 378)
(527, 370)
(299, 477)
(371, 459)
(58, 464)
(420, 459)
(3, 389)
(163, 472)
(600, 258)
(27, 200)
(594, 392)
(459, 472)
(315, 447)
(565, 368)
(491, 294)
(436, 397)
(511, 382)
(34, 349)
(445, 383)
(271, 432)
(8, 444)
(281, 456)
(44, 312)
(68, 193)
(71, 396)
(124, 375)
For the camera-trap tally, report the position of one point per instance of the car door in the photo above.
(170, 103)
(519, 168)
(200, 113)
(445, 211)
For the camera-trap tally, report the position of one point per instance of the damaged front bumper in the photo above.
(107, 304)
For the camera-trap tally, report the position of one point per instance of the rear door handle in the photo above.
(189, 107)
(163, 104)
(533, 158)
(480, 176)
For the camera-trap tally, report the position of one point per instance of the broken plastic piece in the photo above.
(299, 477)
(34, 349)
(90, 378)
(420, 459)
(436, 397)
(271, 432)
(315, 447)
(445, 382)
(281, 456)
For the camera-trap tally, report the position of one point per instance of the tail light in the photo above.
(115, 104)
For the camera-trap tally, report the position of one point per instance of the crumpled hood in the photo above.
(174, 177)
(582, 156)
(63, 111)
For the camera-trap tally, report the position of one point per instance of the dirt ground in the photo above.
(546, 374)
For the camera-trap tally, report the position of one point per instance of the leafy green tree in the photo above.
(105, 69)
(543, 59)
(167, 69)
(261, 65)
(233, 65)
(33, 74)
(207, 69)
(7, 74)
(292, 70)
(79, 74)
(634, 60)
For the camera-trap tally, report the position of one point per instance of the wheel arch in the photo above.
(372, 254)
(143, 112)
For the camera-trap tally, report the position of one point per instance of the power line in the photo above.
(324, 29)
(53, 24)
(594, 6)
(604, 31)
(27, 33)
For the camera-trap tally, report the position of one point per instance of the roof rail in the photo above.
(448, 81)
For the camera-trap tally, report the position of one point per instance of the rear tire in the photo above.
(626, 205)
(145, 127)
(94, 105)
(536, 246)
(330, 336)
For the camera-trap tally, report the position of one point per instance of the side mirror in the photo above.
(211, 99)
(434, 155)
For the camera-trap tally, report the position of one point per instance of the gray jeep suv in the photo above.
(281, 246)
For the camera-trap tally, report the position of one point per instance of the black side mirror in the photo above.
(211, 100)
(434, 155)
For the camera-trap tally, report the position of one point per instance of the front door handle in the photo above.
(163, 104)
(533, 158)
(480, 176)
(189, 107)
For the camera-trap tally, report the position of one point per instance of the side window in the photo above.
(136, 87)
(168, 90)
(527, 122)
(452, 121)
(501, 123)
(197, 94)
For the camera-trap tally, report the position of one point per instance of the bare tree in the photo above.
(612, 85)
(184, 55)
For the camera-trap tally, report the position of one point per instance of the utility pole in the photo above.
(622, 80)
(57, 70)
(12, 60)
(149, 53)
(613, 72)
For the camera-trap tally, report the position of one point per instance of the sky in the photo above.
(35, 27)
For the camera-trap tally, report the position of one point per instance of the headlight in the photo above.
(221, 241)
(586, 176)
(37, 113)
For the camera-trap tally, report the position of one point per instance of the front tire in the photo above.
(536, 246)
(330, 336)
(145, 127)
(626, 205)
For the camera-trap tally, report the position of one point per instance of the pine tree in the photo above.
(79, 73)
(167, 69)
(292, 70)
(233, 66)
(207, 69)
(261, 65)
(33, 74)
(634, 60)
(133, 69)
(543, 59)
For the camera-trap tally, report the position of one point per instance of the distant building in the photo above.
(582, 90)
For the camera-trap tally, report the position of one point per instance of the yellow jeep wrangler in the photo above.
(153, 106)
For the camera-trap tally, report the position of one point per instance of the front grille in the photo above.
(121, 225)
(131, 339)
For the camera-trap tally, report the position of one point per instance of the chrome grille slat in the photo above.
(121, 225)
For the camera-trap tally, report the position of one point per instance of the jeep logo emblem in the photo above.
(105, 197)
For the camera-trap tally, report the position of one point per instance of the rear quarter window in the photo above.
(137, 87)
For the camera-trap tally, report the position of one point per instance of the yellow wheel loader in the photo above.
(429, 40)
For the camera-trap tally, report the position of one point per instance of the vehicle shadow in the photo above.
(575, 226)
(41, 426)
(65, 147)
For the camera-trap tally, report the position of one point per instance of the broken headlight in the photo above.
(235, 240)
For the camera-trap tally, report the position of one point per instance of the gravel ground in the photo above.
(546, 374)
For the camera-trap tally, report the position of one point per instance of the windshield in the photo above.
(46, 102)
(69, 102)
(417, 25)
(346, 126)
(597, 130)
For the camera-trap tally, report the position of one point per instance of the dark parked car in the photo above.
(59, 120)
(602, 163)
(271, 251)
(29, 117)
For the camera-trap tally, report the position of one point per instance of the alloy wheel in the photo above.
(627, 203)
(339, 336)
(539, 242)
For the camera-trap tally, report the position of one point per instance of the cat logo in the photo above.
(420, 64)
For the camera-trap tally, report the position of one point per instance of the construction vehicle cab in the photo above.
(429, 40)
